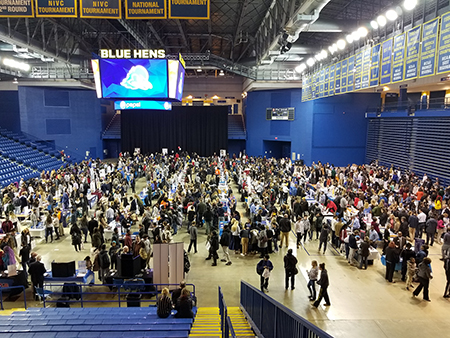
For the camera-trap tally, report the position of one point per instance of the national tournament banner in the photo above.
(103, 9)
(350, 73)
(358, 70)
(344, 67)
(189, 9)
(138, 9)
(337, 78)
(321, 77)
(325, 81)
(16, 9)
(386, 62)
(375, 66)
(365, 68)
(412, 53)
(56, 8)
(331, 81)
(428, 48)
(398, 58)
(443, 57)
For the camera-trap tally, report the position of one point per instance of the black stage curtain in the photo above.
(203, 130)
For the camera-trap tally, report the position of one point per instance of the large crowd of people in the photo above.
(357, 209)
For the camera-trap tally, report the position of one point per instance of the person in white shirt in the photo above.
(422, 223)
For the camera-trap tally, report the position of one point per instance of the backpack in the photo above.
(103, 260)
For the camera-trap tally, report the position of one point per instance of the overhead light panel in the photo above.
(409, 4)
(16, 64)
(300, 68)
(349, 38)
(324, 54)
(381, 21)
(391, 15)
(355, 36)
(362, 31)
(340, 44)
(374, 24)
(310, 62)
(199, 69)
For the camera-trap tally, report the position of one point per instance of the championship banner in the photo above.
(412, 53)
(428, 48)
(350, 73)
(375, 66)
(365, 68)
(16, 9)
(56, 8)
(398, 58)
(316, 85)
(321, 77)
(103, 9)
(138, 9)
(325, 83)
(337, 78)
(358, 70)
(304, 88)
(344, 67)
(331, 81)
(189, 9)
(386, 62)
(443, 57)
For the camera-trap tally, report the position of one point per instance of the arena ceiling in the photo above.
(241, 36)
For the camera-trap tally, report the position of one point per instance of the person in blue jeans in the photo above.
(312, 275)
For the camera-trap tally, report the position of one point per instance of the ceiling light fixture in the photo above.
(300, 68)
(340, 44)
(310, 62)
(349, 38)
(221, 73)
(381, 21)
(409, 4)
(374, 24)
(391, 15)
(15, 81)
(16, 64)
(355, 35)
(362, 31)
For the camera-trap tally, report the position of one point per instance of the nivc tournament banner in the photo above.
(358, 70)
(428, 48)
(443, 58)
(386, 62)
(350, 73)
(325, 83)
(337, 78)
(16, 8)
(331, 81)
(365, 68)
(412, 53)
(375, 66)
(103, 9)
(189, 9)
(398, 58)
(56, 8)
(138, 9)
(344, 67)
(321, 77)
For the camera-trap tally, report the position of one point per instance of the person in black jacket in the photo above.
(392, 258)
(290, 269)
(36, 271)
(285, 228)
(225, 241)
(431, 230)
(364, 247)
(323, 239)
(324, 283)
(104, 262)
(184, 305)
(213, 247)
(406, 254)
(25, 257)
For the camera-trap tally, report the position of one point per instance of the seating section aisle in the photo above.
(21, 158)
(92, 322)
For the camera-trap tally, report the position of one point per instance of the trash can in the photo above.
(134, 299)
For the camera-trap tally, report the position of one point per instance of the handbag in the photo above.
(295, 270)
(208, 246)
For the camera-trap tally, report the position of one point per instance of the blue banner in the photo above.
(337, 78)
(358, 70)
(350, 73)
(412, 53)
(428, 48)
(331, 81)
(189, 9)
(17, 8)
(98, 9)
(365, 68)
(321, 78)
(375, 66)
(56, 9)
(325, 81)
(443, 58)
(160, 105)
(344, 68)
(138, 9)
(386, 62)
(398, 58)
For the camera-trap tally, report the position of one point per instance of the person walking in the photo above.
(324, 283)
(323, 239)
(193, 237)
(431, 227)
(285, 228)
(290, 269)
(313, 273)
(213, 247)
(75, 232)
(424, 274)
(263, 269)
(225, 241)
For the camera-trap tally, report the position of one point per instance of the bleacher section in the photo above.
(113, 129)
(236, 127)
(92, 322)
(21, 158)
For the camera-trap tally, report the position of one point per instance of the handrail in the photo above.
(285, 323)
(13, 287)
(134, 288)
(442, 103)
(225, 321)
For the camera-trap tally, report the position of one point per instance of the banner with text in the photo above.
(138, 9)
(189, 9)
(56, 8)
(428, 48)
(386, 62)
(16, 8)
(375, 66)
(101, 9)
(365, 68)
(398, 58)
(443, 58)
(412, 53)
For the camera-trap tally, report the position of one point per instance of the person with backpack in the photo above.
(262, 242)
(104, 262)
(263, 269)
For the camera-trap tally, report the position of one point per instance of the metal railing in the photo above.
(117, 291)
(257, 307)
(225, 321)
(8, 288)
(411, 107)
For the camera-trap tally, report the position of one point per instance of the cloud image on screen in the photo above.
(137, 78)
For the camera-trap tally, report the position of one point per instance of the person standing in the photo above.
(323, 239)
(446, 245)
(193, 237)
(290, 269)
(245, 234)
(225, 241)
(424, 274)
(392, 258)
(431, 230)
(75, 232)
(264, 264)
(104, 263)
(213, 247)
(36, 271)
(365, 251)
(324, 283)
(313, 273)
(285, 228)
(25, 257)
